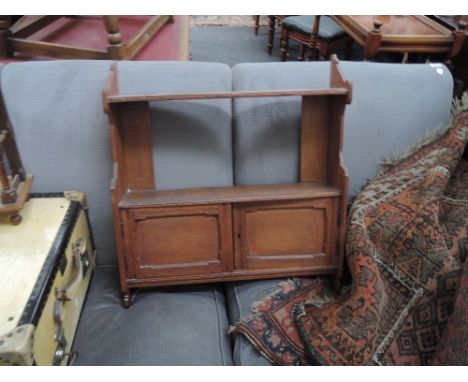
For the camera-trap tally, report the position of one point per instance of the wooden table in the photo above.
(15, 38)
(402, 34)
(460, 63)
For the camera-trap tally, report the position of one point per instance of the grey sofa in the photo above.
(62, 133)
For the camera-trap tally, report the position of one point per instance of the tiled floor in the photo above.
(232, 21)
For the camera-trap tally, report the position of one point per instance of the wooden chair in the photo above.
(318, 33)
(272, 22)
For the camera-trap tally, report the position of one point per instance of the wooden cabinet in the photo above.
(167, 237)
(178, 241)
(294, 235)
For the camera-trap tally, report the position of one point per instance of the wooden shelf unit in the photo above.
(199, 235)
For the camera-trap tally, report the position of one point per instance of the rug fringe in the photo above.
(459, 105)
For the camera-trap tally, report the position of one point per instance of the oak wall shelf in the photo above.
(200, 235)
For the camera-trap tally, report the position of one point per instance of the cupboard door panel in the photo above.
(285, 235)
(177, 241)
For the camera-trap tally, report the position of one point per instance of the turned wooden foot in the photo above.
(126, 299)
(284, 49)
(15, 219)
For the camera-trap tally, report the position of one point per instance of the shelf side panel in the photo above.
(314, 139)
(135, 126)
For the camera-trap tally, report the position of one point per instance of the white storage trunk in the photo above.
(46, 265)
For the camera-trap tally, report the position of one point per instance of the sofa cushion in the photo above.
(63, 134)
(240, 296)
(393, 106)
(164, 326)
(328, 29)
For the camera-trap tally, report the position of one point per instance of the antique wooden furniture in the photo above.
(257, 24)
(14, 38)
(273, 20)
(47, 263)
(15, 186)
(319, 34)
(460, 62)
(402, 34)
(167, 237)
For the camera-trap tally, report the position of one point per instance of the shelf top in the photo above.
(339, 86)
(214, 95)
(234, 194)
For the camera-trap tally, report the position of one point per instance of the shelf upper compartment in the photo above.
(234, 194)
(338, 87)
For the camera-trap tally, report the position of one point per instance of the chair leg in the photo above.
(271, 33)
(257, 24)
(5, 24)
(284, 43)
(348, 51)
(301, 52)
(322, 50)
(313, 53)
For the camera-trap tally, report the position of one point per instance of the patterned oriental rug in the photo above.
(407, 243)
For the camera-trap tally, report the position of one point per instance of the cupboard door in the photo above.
(288, 235)
(179, 241)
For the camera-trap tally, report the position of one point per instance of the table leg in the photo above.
(458, 40)
(313, 52)
(257, 24)
(373, 41)
(271, 33)
(115, 49)
(5, 24)
(284, 43)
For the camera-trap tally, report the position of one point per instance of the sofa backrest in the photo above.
(192, 139)
(55, 108)
(393, 106)
(63, 135)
